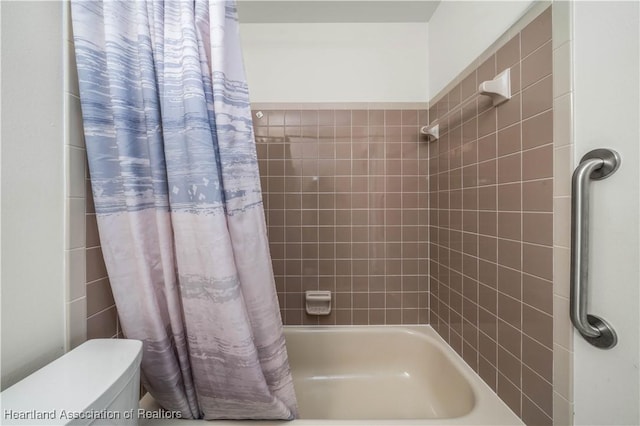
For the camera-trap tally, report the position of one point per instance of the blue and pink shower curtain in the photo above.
(175, 182)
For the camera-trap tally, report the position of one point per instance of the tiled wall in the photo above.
(346, 203)
(75, 153)
(102, 316)
(491, 224)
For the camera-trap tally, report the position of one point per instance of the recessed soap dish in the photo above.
(318, 302)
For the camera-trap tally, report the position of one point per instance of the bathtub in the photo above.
(379, 375)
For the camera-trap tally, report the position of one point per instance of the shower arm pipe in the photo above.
(595, 165)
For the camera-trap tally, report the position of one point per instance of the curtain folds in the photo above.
(175, 183)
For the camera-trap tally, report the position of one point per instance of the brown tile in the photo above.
(309, 118)
(537, 325)
(487, 147)
(487, 273)
(92, 236)
(292, 118)
(103, 324)
(470, 198)
(487, 223)
(509, 338)
(538, 130)
(509, 112)
(533, 415)
(509, 253)
(537, 65)
(294, 300)
(537, 98)
(376, 316)
(469, 153)
(538, 293)
(410, 117)
(538, 261)
(509, 168)
(487, 195)
(510, 366)
(487, 123)
(470, 176)
(360, 300)
(509, 393)
(99, 296)
(509, 140)
(360, 316)
(343, 300)
(442, 106)
(515, 79)
(487, 248)
(393, 300)
(470, 221)
(537, 357)
(488, 348)
(360, 117)
(488, 323)
(487, 372)
(509, 54)
(328, 319)
(537, 196)
(455, 341)
(537, 163)
(487, 70)
(392, 117)
(537, 389)
(509, 225)
(488, 298)
(342, 117)
(537, 228)
(393, 316)
(510, 282)
(423, 117)
(470, 355)
(376, 117)
(469, 86)
(509, 310)
(536, 33)
(410, 316)
(276, 118)
(454, 97)
(89, 204)
(96, 268)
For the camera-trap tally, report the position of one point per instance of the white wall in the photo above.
(606, 114)
(459, 31)
(336, 62)
(33, 317)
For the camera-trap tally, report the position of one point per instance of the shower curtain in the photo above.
(177, 193)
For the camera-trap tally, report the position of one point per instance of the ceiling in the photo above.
(339, 11)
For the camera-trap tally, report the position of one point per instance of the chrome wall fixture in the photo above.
(597, 164)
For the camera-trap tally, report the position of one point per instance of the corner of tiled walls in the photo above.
(75, 235)
(91, 311)
(494, 253)
(563, 166)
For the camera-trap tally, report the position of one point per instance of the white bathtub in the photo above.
(379, 375)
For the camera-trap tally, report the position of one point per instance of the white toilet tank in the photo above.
(97, 383)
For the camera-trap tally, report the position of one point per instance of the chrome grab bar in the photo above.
(597, 164)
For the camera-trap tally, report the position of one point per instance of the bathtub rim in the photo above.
(489, 409)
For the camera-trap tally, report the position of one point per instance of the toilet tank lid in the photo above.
(87, 378)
